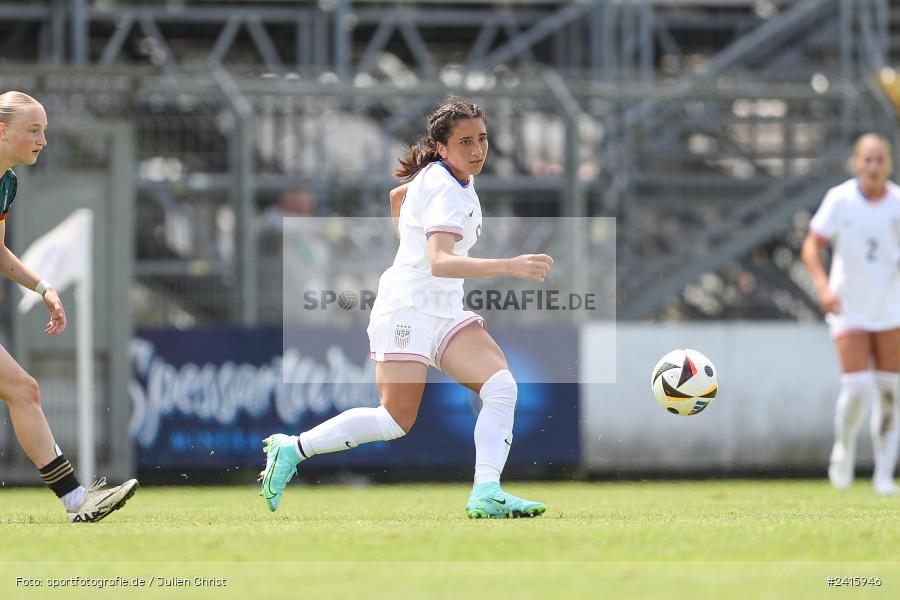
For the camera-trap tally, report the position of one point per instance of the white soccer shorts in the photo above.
(847, 323)
(409, 336)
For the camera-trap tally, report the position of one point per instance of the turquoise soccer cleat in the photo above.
(488, 501)
(281, 464)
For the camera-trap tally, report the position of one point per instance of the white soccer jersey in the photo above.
(435, 202)
(865, 266)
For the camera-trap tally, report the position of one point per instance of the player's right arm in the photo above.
(397, 195)
(15, 269)
(10, 265)
(811, 253)
(446, 264)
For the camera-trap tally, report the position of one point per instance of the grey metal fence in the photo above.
(709, 129)
(663, 114)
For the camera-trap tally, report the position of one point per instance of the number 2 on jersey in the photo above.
(872, 252)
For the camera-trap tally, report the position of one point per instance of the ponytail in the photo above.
(417, 158)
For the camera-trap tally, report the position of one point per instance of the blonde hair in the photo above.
(12, 103)
(866, 137)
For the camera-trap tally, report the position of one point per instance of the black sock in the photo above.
(59, 475)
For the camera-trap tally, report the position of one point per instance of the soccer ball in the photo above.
(684, 382)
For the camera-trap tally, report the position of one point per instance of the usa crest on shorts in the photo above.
(401, 336)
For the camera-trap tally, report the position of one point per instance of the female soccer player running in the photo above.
(861, 299)
(418, 318)
(22, 126)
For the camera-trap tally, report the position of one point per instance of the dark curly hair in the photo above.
(439, 124)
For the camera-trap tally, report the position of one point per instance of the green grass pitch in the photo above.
(710, 539)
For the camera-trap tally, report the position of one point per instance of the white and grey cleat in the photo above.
(840, 470)
(100, 501)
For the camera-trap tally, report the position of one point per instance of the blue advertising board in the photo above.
(205, 399)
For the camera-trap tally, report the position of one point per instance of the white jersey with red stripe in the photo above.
(865, 266)
(435, 202)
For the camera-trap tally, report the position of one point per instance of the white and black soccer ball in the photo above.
(684, 382)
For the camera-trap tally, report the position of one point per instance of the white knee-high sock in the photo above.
(348, 430)
(884, 423)
(857, 389)
(493, 428)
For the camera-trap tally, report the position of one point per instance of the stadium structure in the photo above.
(709, 129)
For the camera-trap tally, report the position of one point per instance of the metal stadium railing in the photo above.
(668, 115)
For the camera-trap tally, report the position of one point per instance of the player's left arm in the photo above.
(398, 194)
(13, 268)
